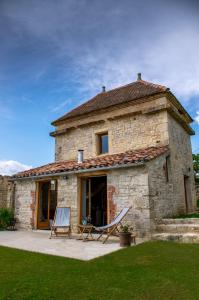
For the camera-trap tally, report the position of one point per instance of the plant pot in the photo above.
(125, 239)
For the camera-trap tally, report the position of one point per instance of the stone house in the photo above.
(129, 146)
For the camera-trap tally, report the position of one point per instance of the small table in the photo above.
(86, 229)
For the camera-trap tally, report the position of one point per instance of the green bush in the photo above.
(198, 203)
(6, 216)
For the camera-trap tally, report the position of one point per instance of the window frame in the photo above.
(99, 142)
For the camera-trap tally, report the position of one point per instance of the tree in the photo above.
(196, 163)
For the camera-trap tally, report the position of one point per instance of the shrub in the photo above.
(6, 216)
(126, 228)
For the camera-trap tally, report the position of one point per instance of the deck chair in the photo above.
(113, 226)
(61, 221)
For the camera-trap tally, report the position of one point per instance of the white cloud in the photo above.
(197, 117)
(109, 46)
(61, 105)
(10, 167)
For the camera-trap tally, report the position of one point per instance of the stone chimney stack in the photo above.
(139, 76)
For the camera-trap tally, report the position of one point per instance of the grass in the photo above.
(154, 270)
(194, 215)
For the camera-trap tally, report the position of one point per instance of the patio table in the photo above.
(86, 232)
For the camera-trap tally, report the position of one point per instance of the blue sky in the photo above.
(56, 54)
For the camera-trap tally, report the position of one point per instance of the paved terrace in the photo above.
(38, 241)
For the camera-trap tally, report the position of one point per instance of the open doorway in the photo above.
(47, 202)
(187, 194)
(94, 200)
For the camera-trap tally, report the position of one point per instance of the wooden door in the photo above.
(43, 221)
(94, 200)
(86, 199)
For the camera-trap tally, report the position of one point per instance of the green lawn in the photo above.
(194, 215)
(154, 270)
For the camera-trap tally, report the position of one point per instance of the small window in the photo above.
(103, 143)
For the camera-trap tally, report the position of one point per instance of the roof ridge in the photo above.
(154, 84)
(113, 97)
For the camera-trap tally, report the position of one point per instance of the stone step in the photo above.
(178, 228)
(180, 221)
(177, 237)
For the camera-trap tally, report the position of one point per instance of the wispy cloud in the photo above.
(10, 167)
(61, 105)
(97, 46)
(55, 55)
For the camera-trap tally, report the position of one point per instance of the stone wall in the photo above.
(129, 187)
(162, 199)
(167, 194)
(181, 164)
(125, 187)
(4, 191)
(25, 203)
(68, 196)
(130, 132)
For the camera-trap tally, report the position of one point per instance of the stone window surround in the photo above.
(95, 138)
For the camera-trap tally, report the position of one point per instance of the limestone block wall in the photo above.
(181, 163)
(4, 191)
(25, 203)
(68, 196)
(163, 201)
(130, 132)
(129, 187)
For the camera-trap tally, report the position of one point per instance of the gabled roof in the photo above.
(120, 95)
(114, 160)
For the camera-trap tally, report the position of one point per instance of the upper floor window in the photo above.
(103, 143)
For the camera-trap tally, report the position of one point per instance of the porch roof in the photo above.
(106, 161)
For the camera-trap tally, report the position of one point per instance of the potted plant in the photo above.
(125, 235)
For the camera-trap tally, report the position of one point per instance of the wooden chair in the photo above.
(113, 226)
(61, 221)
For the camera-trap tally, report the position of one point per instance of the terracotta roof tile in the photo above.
(123, 94)
(129, 157)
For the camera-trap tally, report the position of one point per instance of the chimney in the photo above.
(139, 76)
(103, 89)
(80, 156)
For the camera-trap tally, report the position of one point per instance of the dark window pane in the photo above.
(43, 203)
(104, 143)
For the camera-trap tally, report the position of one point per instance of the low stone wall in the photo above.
(5, 186)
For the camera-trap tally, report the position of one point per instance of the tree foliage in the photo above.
(196, 163)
